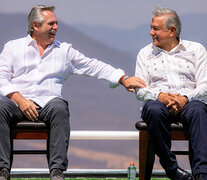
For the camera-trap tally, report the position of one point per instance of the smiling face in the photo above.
(45, 33)
(162, 36)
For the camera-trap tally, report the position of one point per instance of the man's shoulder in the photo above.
(149, 46)
(16, 41)
(147, 49)
(62, 44)
(188, 43)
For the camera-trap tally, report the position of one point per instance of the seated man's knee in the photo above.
(59, 111)
(154, 107)
(59, 106)
(196, 107)
(3, 102)
(155, 113)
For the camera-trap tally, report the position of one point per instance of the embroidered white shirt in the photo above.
(40, 78)
(182, 70)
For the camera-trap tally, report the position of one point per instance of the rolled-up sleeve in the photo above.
(83, 65)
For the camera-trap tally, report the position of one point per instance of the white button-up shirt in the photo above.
(182, 70)
(40, 78)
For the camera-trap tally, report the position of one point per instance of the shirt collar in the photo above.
(180, 46)
(56, 43)
(30, 41)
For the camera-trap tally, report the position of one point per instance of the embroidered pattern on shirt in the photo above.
(186, 77)
(158, 79)
(185, 55)
(154, 55)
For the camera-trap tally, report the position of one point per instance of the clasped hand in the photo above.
(174, 102)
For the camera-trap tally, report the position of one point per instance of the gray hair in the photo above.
(35, 15)
(171, 20)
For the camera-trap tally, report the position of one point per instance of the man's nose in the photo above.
(151, 32)
(55, 26)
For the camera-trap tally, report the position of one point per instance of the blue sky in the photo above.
(120, 14)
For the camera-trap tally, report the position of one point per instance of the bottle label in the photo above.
(131, 174)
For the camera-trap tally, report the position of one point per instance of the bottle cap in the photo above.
(131, 163)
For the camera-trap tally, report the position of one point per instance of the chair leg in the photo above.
(11, 153)
(190, 155)
(48, 150)
(146, 156)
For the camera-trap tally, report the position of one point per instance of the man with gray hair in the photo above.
(32, 72)
(176, 77)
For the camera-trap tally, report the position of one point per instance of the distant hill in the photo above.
(131, 41)
(128, 41)
(15, 25)
(194, 26)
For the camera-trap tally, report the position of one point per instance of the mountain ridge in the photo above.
(131, 41)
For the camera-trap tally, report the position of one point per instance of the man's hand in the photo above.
(164, 98)
(131, 83)
(174, 102)
(28, 108)
(171, 102)
(178, 105)
(174, 107)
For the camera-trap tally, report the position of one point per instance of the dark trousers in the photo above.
(193, 116)
(55, 114)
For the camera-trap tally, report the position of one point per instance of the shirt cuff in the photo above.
(115, 77)
(8, 89)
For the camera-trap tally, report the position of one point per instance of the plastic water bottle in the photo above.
(131, 171)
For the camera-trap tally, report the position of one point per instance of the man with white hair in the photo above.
(32, 72)
(175, 72)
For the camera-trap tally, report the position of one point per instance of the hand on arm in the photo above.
(130, 83)
(28, 108)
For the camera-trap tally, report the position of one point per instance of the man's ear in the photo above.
(173, 30)
(35, 25)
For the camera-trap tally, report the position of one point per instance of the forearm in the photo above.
(146, 94)
(199, 93)
(83, 65)
(16, 97)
